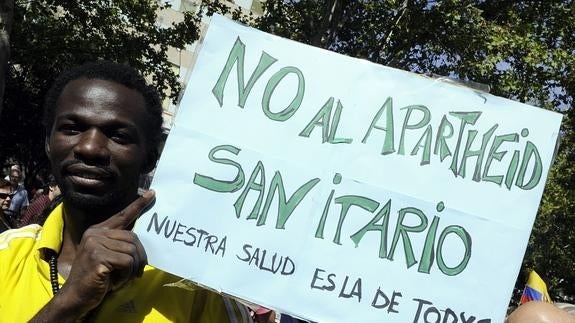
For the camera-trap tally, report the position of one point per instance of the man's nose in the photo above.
(93, 147)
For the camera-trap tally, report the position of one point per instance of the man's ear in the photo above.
(47, 147)
(150, 162)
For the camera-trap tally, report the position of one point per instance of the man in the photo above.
(20, 200)
(103, 126)
(540, 312)
(5, 198)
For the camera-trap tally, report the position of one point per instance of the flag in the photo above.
(535, 290)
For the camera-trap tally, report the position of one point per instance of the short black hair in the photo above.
(51, 181)
(115, 72)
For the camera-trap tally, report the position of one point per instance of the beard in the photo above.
(98, 208)
(82, 201)
(101, 202)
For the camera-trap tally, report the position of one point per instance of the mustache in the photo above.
(102, 169)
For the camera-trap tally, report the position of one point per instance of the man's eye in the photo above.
(69, 129)
(121, 138)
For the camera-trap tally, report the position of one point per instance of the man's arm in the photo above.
(25, 203)
(107, 257)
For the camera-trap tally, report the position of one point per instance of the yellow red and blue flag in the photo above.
(535, 290)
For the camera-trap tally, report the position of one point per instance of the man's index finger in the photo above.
(128, 215)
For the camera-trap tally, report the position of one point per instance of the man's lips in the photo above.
(83, 181)
(83, 175)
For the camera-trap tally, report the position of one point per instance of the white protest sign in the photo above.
(343, 191)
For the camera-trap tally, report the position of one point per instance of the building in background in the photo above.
(183, 60)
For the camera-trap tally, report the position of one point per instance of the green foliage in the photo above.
(49, 36)
(520, 48)
(6, 13)
(552, 243)
(524, 50)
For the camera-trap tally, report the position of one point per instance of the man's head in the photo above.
(539, 312)
(51, 189)
(103, 126)
(15, 177)
(5, 194)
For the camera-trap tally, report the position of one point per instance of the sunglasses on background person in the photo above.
(5, 195)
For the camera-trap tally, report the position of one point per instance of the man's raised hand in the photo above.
(108, 256)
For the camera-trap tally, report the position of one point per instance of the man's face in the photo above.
(97, 144)
(15, 177)
(5, 197)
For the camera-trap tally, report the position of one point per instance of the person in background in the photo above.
(103, 129)
(38, 205)
(261, 314)
(540, 312)
(20, 199)
(36, 193)
(5, 198)
(13, 167)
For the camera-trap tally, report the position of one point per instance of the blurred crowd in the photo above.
(20, 206)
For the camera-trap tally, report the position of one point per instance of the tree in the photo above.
(524, 50)
(49, 36)
(6, 12)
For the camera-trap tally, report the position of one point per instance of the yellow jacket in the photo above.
(25, 286)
